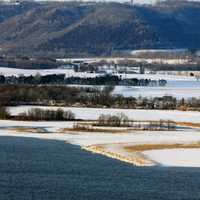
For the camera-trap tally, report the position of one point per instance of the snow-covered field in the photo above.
(69, 72)
(135, 114)
(178, 92)
(178, 89)
(8, 127)
(27, 72)
(172, 51)
(175, 157)
(136, 58)
(177, 86)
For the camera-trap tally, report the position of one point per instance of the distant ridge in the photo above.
(75, 28)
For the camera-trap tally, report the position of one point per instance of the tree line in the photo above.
(61, 79)
(121, 120)
(38, 114)
(13, 95)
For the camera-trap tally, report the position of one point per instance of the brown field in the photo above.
(194, 125)
(27, 129)
(93, 130)
(146, 147)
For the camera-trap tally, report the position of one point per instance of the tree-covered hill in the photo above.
(74, 28)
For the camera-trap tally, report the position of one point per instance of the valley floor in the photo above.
(114, 145)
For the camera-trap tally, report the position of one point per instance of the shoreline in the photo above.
(129, 147)
(148, 155)
(136, 159)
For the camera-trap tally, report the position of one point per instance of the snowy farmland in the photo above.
(177, 86)
(134, 114)
(178, 92)
(70, 72)
(27, 72)
(52, 130)
(175, 157)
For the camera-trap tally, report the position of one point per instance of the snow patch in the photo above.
(175, 157)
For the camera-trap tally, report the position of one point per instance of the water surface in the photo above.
(52, 170)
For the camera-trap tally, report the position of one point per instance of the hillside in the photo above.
(69, 28)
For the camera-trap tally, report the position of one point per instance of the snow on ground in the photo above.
(27, 72)
(183, 84)
(134, 114)
(160, 76)
(141, 51)
(179, 93)
(177, 86)
(50, 126)
(162, 61)
(178, 89)
(69, 72)
(87, 138)
(187, 88)
(167, 158)
(136, 58)
(175, 157)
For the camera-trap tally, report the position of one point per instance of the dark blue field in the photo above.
(50, 170)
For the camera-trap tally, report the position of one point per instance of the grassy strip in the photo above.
(146, 147)
(194, 125)
(134, 159)
(94, 130)
(27, 129)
